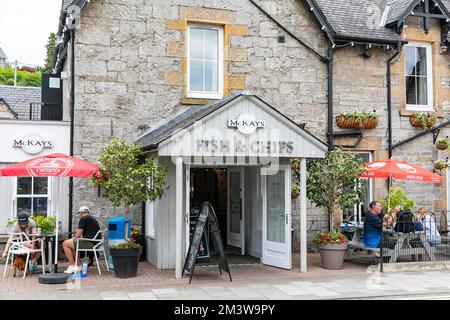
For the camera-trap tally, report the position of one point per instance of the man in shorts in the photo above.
(88, 228)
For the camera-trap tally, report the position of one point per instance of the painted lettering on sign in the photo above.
(259, 147)
(246, 123)
(32, 143)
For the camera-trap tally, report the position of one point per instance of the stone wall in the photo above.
(130, 71)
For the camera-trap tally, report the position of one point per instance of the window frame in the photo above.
(430, 105)
(32, 196)
(220, 58)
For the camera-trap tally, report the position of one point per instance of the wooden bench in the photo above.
(357, 243)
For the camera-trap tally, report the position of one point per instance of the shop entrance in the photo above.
(225, 189)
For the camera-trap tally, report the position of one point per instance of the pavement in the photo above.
(357, 280)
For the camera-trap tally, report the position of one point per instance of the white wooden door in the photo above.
(235, 212)
(277, 218)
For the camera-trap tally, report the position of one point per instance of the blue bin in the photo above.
(116, 228)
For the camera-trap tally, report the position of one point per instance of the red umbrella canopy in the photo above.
(397, 169)
(52, 165)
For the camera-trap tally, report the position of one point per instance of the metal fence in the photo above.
(415, 236)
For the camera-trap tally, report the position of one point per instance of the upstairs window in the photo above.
(205, 62)
(419, 80)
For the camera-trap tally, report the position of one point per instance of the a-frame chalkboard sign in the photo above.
(206, 215)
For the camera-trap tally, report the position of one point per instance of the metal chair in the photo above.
(18, 247)
(98, 247)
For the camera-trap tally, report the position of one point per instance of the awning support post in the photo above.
(303, 217)
(178, 217)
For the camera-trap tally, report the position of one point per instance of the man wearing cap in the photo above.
(88, 228)
(28, 226)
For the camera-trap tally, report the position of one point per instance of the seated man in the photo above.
(28, 226)
(87, 228)
(373, 225)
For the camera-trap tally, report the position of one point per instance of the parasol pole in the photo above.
(57, 226)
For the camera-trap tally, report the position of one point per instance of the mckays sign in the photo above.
(246, 123)
(32, 143)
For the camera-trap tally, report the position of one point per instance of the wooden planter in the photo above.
(352, 123)
(416, 123)
(442, 146)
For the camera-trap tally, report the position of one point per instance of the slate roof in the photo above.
(19, 99)
(398, 8)
(353, 20)
(180, 121)
(152, 138)
(9, 108)
(2, 54)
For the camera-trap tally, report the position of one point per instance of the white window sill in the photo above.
(418, 108)
(205, 95)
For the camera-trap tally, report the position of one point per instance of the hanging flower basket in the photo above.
(357, 120)
(423, 120)
(442, 144)
(370, 123)
(441, 165)
(295, 192)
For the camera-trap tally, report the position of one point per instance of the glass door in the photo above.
(277, 219)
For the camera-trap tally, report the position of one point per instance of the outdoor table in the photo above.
(402, 247)
(49, 239)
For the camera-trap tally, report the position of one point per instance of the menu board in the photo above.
(203, 247)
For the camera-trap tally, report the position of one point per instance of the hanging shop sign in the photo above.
(246, 123)
(32, 143)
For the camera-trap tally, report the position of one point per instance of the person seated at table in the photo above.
(373, 224)
(87, 228)
(429, 226)
(28, 226)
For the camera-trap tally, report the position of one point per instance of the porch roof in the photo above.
(310, 145)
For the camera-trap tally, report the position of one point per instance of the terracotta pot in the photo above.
(416, 123)
(442, 146)
(332, 255)
(370, 123)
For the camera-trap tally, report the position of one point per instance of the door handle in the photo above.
(240, 209)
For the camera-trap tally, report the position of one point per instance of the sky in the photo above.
(24, 28)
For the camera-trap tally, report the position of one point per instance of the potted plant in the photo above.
(45, 223)
(423, 120)
(332, 183)
(441, 165)
(358, 120)
(125, 258)
(442, 144)
(332, 246)
(138, 237)
(127, 178)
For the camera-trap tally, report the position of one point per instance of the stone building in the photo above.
(129, 68)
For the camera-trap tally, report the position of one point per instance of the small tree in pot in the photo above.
(331, 183)
(128, 178)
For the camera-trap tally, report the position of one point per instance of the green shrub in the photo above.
(126, 245)
(398, 198)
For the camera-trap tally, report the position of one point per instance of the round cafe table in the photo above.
(49, 239)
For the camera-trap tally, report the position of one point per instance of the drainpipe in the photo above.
(72, 115)
(389, 100)
(330, 130)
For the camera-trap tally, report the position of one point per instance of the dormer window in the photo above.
(418, 77)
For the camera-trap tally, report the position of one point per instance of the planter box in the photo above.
(125, 261)
(332, 255)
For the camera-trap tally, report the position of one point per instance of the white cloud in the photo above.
(25, 26)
